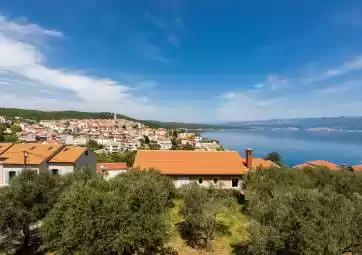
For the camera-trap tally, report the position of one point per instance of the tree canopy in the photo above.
(275, 157)
(126, 215)
(304, 211)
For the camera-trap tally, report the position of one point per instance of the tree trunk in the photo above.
(26, 232)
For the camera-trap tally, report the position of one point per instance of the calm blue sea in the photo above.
(295, 146)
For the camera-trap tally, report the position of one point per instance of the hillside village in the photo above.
(112, 135)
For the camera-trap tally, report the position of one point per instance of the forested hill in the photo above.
(57, 115)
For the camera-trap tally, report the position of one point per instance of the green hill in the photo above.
(57, 115)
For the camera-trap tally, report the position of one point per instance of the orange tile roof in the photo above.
(111, 166)
(69, 154)
(191, 162)
(318, 163)
(4, 147)
(260, 162)
(37, 153)
(357, 167)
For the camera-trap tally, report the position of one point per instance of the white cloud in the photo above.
(11, 28)
(275, 82)
(25, 64)
(347, 67)
(340, 88)
(229, 95)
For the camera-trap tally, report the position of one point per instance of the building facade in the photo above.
(58, 159)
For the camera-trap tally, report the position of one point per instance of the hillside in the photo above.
(57, 115)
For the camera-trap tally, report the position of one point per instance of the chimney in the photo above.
(249, 158)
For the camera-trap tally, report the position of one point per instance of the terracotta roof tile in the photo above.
(69, 154)
(260, 162)
(112, 166)
(191, 162)
(357, 167)
(4, 147)
(318, 163)
(37, 153)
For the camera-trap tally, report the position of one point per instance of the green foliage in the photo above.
(126, 215)
(128, 157)
(188, 147)
(15, 129)
(8, 137)
(200, 210)
(93, 145)
(275, 157)
(304, 211)
(147, 139)
(28, 198)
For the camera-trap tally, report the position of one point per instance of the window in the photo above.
(55, 171)
(235, 182)
(201, 180)
(216, 180)
(86, 153)
(12, 174)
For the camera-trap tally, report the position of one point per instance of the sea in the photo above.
(294, 146)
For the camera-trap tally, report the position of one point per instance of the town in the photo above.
(112, 135)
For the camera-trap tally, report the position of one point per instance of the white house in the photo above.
(70, 158)
(58, 159)
(25, 156)
(165, 144)
(110, 170)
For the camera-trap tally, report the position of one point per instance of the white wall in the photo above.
(83, 161)
(1, 175)
(113, 173)
(63, 168)
(17, 168)
(223, 181)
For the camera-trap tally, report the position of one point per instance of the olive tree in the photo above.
(27, 200)
(304, 211)
(200, 209)
(125, 215)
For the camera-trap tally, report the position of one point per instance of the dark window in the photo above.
(55, 171)
(201, 180)
(235, 182)
(216, 180)
(12, 174)
(86, 153)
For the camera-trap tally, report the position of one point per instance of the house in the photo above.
(197, 139)
(29, 137)
(357, 167)
(212, 146)
(58, 159)
(161, 132)
(252, 163)
(319, 163)
(110, 170)
(70, 158)
(165, 144)
(186, 135)
(29, 155)
(2, 119)
(224, 168)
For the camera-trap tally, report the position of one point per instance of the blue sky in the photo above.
(198, 61)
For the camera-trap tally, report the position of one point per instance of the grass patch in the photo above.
(233, 232)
